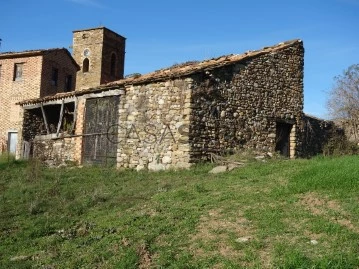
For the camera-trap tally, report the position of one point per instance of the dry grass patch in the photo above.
(145, 257)
(217, 235)
(322, 206)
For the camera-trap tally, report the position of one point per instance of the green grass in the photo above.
(261, 216)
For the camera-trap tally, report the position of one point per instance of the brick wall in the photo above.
(14, 91)
(60, 60)
(79, 129)
(34, 83)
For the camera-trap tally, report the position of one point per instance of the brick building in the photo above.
(30, 74)
(98, 58)
(179, 115)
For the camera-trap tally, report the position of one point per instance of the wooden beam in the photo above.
(60, 118)
(45, 119)
(104, 94)
(52, 102)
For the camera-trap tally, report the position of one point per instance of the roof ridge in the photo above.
(32, 50)
(211, 63)
(175, 72)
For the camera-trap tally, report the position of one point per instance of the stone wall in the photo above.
(54, 151)
(46, 147)
(114, 46)
(176, 122)
(314, 134)
(153, 125)
(350, 128)
(238, 106)
(99, 44)
(33, 125)
(181, 115)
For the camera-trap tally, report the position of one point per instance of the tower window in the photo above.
(18, 71)
(113, 65)
(85, 65)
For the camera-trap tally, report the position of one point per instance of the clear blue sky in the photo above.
(161, 33)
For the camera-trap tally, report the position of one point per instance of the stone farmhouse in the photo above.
(169, 118)
(172, 117)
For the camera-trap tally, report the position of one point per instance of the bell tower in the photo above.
(100, 53)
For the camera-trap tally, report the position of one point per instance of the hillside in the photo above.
(282, 214)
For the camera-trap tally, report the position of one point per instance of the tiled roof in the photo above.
(194, 67)
(175, 71)
(38, 52)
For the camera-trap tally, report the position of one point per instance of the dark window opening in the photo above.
(283, 138)
(67, 125)
(68, 83)
(85, 65)
(54, 76)
(18, 69)
(113, 65)
(53, 115)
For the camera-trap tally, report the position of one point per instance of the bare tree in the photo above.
(343, 100)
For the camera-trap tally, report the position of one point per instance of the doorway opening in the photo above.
(12, 142)
(283, 138)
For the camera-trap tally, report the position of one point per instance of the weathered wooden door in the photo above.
(101, 114)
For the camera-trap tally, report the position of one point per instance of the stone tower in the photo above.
(100, 53)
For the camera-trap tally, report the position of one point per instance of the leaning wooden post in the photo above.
(45, 119)
(61, 116)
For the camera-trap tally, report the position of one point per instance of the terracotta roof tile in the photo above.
(175, 71)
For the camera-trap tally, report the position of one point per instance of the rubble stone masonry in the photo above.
(239, 106)
(181, 115)
(176, 122)
(97, 46)
(153, 125)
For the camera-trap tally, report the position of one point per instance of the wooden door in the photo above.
(100, 115)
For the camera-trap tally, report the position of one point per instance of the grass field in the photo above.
(278, 214)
